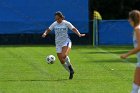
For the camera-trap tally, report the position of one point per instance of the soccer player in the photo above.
(134, 19)
(62, 40)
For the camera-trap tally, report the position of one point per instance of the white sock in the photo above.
(66, 66)
(135, 88)
(68, 60)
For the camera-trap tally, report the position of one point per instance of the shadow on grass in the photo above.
(115, 52)
(115, 60)
(33, 80)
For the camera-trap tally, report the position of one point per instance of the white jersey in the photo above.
(61, 31)
(135, 42)
(135, 45)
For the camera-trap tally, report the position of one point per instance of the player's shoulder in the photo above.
(137, 28)
(65, 21)
(54, 23)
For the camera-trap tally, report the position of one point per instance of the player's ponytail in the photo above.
(58, 13)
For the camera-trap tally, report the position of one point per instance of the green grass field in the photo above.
(97, 70)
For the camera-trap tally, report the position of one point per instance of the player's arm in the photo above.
(77, 32)
(135, 50)
(70, 26)
(49, 30)
(46, 33)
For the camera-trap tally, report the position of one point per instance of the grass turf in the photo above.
(97, 70)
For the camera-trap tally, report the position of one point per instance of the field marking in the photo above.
(123, 76)
(43, 72)
(29, 61)
(117, 56)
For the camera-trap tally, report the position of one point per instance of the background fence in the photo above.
(114, 32)
(23, 21)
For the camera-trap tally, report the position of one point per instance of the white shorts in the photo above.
(59, 48)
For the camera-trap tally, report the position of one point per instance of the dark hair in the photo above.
(134, 15)
(58, 13)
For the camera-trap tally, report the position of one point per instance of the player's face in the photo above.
(58, 19)
(131, 22)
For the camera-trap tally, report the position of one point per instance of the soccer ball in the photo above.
(50, 59)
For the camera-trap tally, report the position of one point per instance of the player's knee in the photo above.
(137, 82)
(62, 60)
(63, 56)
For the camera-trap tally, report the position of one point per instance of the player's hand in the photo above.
(44, 35)
(82, 35)
(123, 56)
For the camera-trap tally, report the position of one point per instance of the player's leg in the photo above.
(65, 52)
(59, 55)
(65, 65)
(137, 76)
(136, 83)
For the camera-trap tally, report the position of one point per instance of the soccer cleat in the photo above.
(71, 75)
(71, 72)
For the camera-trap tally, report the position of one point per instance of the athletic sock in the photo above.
(69, 64)
(135, 88)
(71, 69)
(66, 66)
(68, 60)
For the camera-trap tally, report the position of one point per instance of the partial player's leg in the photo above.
(137, 76)
(136, 83)
(62, 60)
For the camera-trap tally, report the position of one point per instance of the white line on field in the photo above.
(116, 56)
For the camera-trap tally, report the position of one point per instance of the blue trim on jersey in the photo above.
(68, 44)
